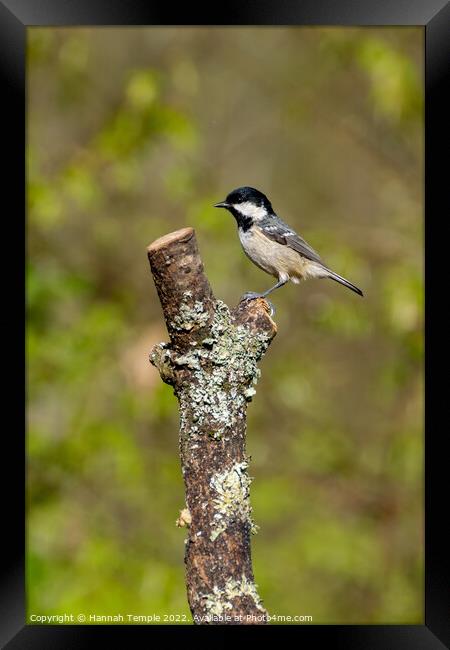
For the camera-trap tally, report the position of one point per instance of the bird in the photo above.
(272, 245)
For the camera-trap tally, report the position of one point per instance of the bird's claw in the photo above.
(272, 308)
(251, 295)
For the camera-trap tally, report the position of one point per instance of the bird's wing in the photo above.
(282, 234)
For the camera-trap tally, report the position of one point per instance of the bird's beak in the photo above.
(222, 204)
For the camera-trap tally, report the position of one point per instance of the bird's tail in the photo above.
(338, 278)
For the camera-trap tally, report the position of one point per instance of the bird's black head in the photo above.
(247, 205)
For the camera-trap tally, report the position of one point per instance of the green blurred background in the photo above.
(133, 133)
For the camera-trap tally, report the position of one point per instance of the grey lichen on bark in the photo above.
(211, 363)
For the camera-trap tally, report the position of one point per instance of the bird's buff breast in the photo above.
(272, 257)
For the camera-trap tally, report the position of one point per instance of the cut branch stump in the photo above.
(211, 363)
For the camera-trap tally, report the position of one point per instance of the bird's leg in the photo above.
(281, 282)
(251, 295)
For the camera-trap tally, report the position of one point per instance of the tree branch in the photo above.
(211, 362)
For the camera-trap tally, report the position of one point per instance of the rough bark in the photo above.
(211, 362)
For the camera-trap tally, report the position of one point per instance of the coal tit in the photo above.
(272, 245)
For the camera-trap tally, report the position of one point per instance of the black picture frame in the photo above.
(434, 16)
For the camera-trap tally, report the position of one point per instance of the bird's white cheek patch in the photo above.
(248, 209)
